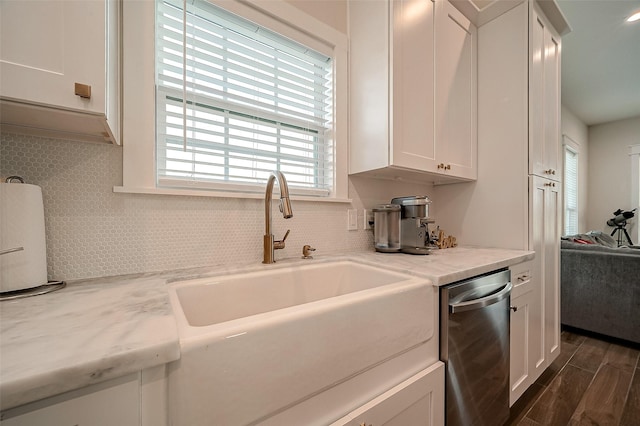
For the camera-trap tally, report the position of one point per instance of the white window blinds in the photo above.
(570, 192)
(236, 101)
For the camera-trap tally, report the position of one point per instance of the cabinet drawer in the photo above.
(521, 279)
(417, 401)
(115, 402)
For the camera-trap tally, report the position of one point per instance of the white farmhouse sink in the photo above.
(212, 301)
(253, 344)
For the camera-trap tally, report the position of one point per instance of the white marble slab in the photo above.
(100, 329)
(449, 265)
(81, 335)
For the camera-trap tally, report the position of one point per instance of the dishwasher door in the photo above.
(474, 345)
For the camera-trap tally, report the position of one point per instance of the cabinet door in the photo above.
(552, 232)
(456, 103)
(48, 46)
(418, 401)
(412, 107)
(116, 402)
(544, 98)
(545, 240)
(537, 229)
(522, 360)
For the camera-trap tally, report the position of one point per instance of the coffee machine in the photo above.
(414, 220)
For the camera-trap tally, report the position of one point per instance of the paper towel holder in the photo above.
(33, 291)
(13, 179)
(20, 292)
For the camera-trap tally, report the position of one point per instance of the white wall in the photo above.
(331, 12)
(578, 132)
(610, 171)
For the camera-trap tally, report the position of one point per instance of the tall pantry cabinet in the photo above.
(517, 201)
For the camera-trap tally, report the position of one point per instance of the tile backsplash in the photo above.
(93, 232)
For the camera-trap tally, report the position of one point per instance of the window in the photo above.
(634, 154)
(570, 189)
(236, 101)
(241, 88)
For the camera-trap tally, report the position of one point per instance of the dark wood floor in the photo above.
(594, 381)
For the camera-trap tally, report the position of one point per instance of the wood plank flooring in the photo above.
(594, 381)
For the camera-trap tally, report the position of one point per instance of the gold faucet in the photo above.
(285, 207)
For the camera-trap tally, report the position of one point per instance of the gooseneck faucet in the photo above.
(285, 207)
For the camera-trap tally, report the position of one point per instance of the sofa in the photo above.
(600, 288)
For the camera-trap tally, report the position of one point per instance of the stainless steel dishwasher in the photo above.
(474, 345)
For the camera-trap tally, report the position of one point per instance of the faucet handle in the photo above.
(277, 245)
(306, 251)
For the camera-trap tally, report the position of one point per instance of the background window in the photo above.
(236, 101)
(570, 191)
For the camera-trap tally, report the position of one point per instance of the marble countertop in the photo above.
(100, 329)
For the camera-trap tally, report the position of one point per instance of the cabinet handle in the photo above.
(514, 308)
(83, 90)
(523, 278)
(448, 167)
(441, 166)
(550, 184)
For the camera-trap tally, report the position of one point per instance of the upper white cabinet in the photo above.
(412, 90)
(544, 97)
(59, 68)
(456, 79)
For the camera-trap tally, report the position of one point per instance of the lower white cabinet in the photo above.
(418, 401)
(115, 402)
(526, 335)
(138, 399)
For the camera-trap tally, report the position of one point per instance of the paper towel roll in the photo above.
(22, 225)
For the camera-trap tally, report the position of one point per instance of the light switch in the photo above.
(352, 219)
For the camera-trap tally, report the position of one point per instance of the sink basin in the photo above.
(255, 343)
(212, 301)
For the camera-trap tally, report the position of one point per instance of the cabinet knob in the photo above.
(441, 166)
(83, 90)
(514, 308)
(448, 167)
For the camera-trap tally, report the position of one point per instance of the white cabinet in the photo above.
(527, 330)
(59, 68)
(546, 232)
(138, 399)
(456, 78)
(544, 97)
(112, 403)
(418, 401)
(412, 90)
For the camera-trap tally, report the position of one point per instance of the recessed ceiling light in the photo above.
(634, 17)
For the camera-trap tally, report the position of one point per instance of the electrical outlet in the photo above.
(352, 219)
(367, 219)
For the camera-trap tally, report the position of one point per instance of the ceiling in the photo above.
(601, 60)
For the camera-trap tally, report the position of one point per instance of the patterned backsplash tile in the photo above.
(93, 232)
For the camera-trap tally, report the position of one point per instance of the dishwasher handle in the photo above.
(482, 302)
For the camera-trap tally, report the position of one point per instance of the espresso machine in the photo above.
(414, 220)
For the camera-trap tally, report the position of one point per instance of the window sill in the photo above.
(220, 194)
